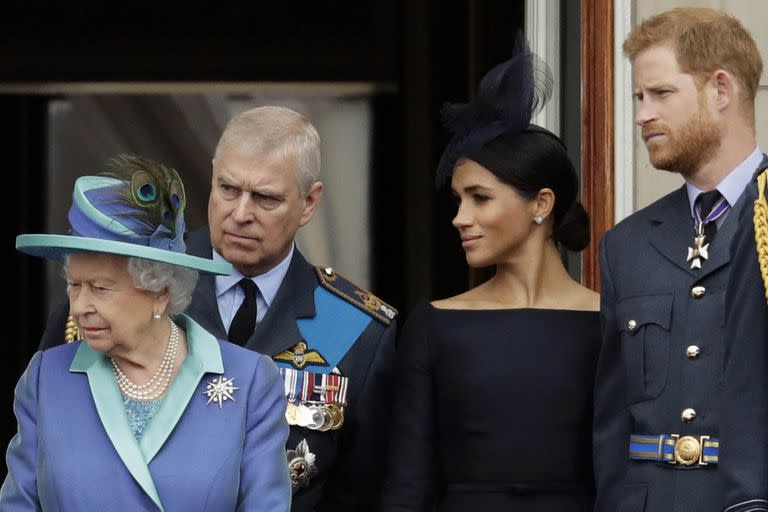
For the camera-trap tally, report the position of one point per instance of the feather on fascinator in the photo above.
(508, 96)
(149, 198)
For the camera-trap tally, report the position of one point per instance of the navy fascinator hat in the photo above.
(508, 96)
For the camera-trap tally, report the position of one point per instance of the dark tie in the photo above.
(707, 201)
(245, 319)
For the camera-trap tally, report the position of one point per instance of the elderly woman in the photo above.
(148, 411)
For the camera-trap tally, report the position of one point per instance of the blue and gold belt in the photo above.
(674, 449)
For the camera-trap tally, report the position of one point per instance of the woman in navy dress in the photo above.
(494, 405)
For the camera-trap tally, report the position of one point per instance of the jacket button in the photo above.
(698, 291)
(692, 352)
(631, 325)
(688, 415)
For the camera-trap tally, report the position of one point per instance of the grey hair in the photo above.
(276, 130)
(156, 276)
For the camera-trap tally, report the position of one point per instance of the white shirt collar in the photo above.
(268, 282)
(732, 185)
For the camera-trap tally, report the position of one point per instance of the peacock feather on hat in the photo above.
(152, 194)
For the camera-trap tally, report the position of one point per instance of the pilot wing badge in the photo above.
(300, 356)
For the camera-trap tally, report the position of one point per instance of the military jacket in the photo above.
(661, 363)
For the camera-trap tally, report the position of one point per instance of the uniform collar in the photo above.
(268, 283)
(733, 184)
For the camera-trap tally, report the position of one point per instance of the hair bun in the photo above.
(572, 232)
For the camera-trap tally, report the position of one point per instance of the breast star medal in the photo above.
(301, 465)
(220, 390)
(699, 251)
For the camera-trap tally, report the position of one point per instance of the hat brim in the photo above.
(56, 247)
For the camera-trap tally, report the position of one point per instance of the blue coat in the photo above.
(74, 449)
(350, 461)
(653, 308)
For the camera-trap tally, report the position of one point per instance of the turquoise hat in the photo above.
(137, 210)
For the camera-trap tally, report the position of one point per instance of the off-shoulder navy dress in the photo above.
(494, 411)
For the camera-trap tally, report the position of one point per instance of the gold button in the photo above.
(631, 325)
(692, 352)
(688, 415)
(698, 291)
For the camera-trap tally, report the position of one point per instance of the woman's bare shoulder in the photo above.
(450, 303)
(586, 299)
(466, 300)
(476, 298)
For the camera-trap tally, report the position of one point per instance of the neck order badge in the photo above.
(712, 206)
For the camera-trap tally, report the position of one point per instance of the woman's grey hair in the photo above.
(265, 131)
(156, 276)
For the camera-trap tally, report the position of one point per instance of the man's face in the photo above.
(255, 209)
(676, 118)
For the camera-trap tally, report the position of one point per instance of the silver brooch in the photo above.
(220, 390)
(301, 466)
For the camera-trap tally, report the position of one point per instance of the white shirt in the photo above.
(732, 185)
(229, 295)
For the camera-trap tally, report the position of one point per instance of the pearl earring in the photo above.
(538, 219)
(156, 316)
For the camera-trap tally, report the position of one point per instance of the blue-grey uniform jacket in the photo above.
(660, 367)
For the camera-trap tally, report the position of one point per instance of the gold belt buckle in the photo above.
(689, 450)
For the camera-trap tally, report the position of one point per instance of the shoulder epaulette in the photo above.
(353, 294)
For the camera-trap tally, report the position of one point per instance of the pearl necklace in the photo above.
(156, 386)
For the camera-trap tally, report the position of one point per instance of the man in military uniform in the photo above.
(665, 268)
(333, 342)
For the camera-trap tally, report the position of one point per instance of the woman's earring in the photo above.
(156, 316)
(538, 219)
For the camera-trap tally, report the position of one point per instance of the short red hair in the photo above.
(704, 40)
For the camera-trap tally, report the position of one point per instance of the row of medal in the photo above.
(315, 416)
(314, 400)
